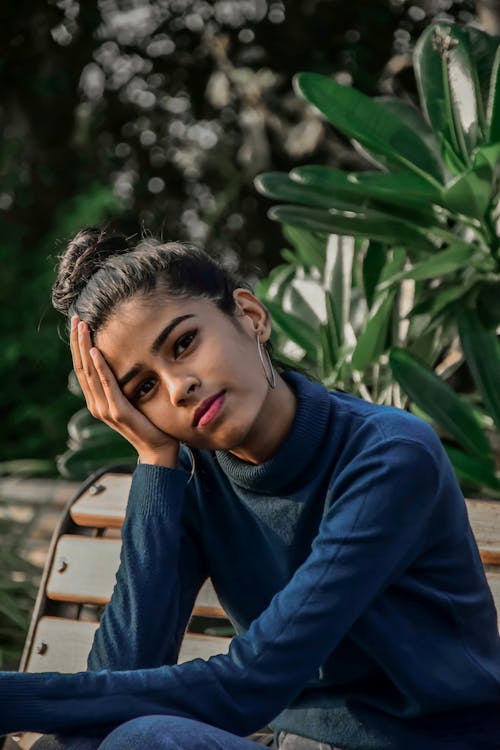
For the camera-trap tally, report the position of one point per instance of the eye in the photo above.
(184, 341)
(143, 390)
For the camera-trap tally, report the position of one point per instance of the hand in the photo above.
(106, 402)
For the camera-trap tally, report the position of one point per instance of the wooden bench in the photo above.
(78, 581)
(80, 573)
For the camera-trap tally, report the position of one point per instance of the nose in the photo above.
(180, 387)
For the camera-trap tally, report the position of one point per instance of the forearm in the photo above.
(143, 623)
(367, 538)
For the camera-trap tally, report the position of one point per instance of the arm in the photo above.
(161, 571)
(370, 534)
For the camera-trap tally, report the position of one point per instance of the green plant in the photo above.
(328, 316)
(436, 199)
(18, 583)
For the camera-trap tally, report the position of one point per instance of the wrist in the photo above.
(168, 459)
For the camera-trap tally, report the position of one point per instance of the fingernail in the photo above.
(74, 321)
(93, 353)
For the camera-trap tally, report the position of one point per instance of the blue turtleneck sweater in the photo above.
(348, 567)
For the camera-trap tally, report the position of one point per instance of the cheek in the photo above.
(158, 412)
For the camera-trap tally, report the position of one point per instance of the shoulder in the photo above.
(373, 429)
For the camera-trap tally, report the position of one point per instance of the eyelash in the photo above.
(137, 393)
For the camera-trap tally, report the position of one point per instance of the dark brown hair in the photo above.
(98, 271)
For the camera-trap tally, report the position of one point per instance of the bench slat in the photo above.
(84, 569)
(106, 506)
(62, 645)
(84, 572)
(484, 517)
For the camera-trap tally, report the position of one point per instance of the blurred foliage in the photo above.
(18, 584)
(432, 218)
(157, 115)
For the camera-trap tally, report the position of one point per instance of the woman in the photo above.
(334, 532)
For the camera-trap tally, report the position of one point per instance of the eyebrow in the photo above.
(157, 343)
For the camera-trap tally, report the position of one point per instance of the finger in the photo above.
(91, 385)
(109, 385)
(77, 358)
(73, 345)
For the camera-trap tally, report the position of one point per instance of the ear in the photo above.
(252, 314)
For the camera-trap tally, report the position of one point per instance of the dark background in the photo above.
(155, 117)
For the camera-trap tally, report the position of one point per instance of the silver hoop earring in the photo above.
(271, 380)
(192, 462)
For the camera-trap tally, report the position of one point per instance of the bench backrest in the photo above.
(79, 578)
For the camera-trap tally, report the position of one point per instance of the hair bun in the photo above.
(85, 254)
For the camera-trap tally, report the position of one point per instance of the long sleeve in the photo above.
(371, 532)
(161, 570)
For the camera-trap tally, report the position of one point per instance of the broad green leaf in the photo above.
(289, 256)
(472, 469)
(482, 352)
(338, 276)
(276, 282)
(329, 342)
(452, 160)
(295, 328)
(489, 154)
(373, 341)
(409, 114)
(281, 186)
(448, 86)
(438, 299)
(367, 223)
(334, 327)
(452, 413)
(483, 47)
(440, 264)
(399, 188)
(370, 123)
(395, 262)
(303, 298)
(470, 193)
(493, 107)
(488, 304)
(310, 247)
(373, 263)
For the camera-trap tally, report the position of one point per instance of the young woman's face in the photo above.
(169, 355)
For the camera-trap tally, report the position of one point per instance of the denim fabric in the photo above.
(171, 733)
(288, 741)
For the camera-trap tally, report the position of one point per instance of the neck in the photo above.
(272, 425)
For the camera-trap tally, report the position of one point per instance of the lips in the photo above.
(205, 406)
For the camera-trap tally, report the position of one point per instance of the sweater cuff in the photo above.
(157, 490)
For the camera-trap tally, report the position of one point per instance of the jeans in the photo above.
(171, 733)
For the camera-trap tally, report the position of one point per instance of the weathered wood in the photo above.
(484, 517)
(104, 503)
(84, 569)
(62, 645)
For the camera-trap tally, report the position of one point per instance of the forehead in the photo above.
(139, 320)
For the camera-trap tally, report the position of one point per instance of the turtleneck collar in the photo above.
(302, 444)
